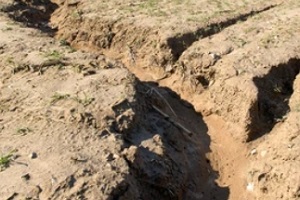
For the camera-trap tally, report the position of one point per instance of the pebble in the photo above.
(25, 177)
(250, 187)
(110, 157)
(253, 152)
(33, 155)
(34, 192)
(169, 68)
(89, 72)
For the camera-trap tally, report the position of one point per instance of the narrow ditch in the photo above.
(275, 89)
(274, 92)
(173, 175)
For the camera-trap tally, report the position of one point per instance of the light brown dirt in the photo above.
(111, 136)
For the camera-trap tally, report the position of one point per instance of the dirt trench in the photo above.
(209, 129)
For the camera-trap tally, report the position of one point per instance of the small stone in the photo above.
(34, 192)
(89, 72)
(33, 155)
(25, 177)
(250, 187)
(169, 68)
(110, 157)
(103, 133)
(253, 152)
(214, 56)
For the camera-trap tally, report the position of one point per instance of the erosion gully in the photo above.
(228, 157)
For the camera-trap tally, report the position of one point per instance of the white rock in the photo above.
(253, 152)
(250, 187)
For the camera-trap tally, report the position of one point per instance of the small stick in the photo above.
(171, 120)
(182, 127)
(160, 112)
(160, 95)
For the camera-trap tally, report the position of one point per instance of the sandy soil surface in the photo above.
(149, 99)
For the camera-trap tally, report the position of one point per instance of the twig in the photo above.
(171, 120)
(160, 112)
(161, 96)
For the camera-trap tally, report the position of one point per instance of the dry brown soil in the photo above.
(150, 99)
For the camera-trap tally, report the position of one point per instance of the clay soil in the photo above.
(169, 99)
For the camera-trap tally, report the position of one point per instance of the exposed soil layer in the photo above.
(214, 113)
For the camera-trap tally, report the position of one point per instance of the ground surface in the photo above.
(150, 99)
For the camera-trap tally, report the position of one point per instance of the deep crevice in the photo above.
(179, 44)
(274, 92)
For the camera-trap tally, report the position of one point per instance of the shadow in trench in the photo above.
(33, 13)
(166, 150)
(274, 92)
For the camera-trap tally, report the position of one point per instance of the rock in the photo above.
(89, 72)
(214, 56)
(169, 68)
(103, 133)
(33, 155)
(250, 187)
(110, 157)
(34, 192)
(26, 177)
(253, 152)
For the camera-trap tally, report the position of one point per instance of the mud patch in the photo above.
(274, 92)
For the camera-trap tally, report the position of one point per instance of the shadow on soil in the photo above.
(33, 13)
(179, 44)
(274, 92)
(178, 170)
